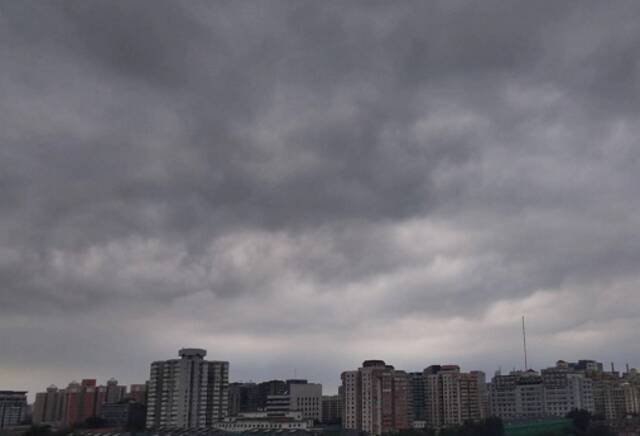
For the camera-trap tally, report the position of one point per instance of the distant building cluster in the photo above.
(81, 401)
(193, 393)
(379, 399)
(555, 391)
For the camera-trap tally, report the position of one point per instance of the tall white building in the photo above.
(530, 395)
(189, 392)
(566, 390)
(351, 400)
(517, 396)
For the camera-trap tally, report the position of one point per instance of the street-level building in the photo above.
(264, 421)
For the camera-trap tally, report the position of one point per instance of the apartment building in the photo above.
(13, 408)
(453, 397)
(189, 392)
(554, 392)
(375, 398)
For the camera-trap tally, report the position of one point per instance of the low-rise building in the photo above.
(264, 421)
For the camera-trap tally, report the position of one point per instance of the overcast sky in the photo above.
(298, 186)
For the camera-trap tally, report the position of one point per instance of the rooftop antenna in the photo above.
(524, 345)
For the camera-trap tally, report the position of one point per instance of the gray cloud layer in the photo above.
(302, 185)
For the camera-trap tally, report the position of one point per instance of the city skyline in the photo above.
(300, 186)
(191, 392)
(333, 387)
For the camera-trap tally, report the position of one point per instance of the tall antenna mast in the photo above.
(524, 345)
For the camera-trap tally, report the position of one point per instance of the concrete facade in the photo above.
(13, 408)
(189, 392)
(553, 392)
(375, 398)
(453, 397)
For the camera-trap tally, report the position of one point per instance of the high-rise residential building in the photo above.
(76, 403)
(351, 399)
(331, 409)
(453, 397)
(65, 406)
(417, 396)
(71, 401)
(553, 392)
(375, 398)
(13, 408)
(48, 406)
(566, 389)
(402, 404)
(517, 396)
(613, 397)
(631, 394)
(114, 391)
(189, 392)
(138, 393)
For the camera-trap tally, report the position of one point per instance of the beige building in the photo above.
(453, 397)
(48, 406)
(375, 398)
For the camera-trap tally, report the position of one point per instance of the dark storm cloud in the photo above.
(263, 177)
